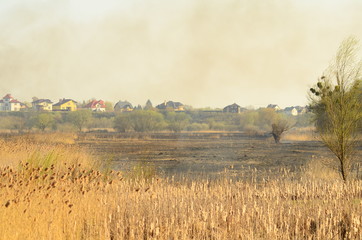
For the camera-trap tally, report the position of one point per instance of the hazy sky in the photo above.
(199, 52)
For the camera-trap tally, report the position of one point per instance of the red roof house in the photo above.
(97, 106)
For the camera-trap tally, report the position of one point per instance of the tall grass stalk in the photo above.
(70, 200)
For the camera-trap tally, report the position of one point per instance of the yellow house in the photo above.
(65, 105)
(42, 105)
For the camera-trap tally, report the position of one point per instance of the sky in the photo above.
(203, 53)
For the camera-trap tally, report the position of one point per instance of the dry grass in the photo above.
(70, 201)
(321, 168)
(300, 134)
(304, 134)
(43, 150)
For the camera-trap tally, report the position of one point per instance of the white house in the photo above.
(295, 110)
(291, 111)
(96, 106)
(8, 103)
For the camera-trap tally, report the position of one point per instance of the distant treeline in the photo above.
(251, 121)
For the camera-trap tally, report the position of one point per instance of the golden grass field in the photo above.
(50, 188)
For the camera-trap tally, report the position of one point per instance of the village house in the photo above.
(291, 111)
(8, 103)
(123, 106)
(301, 110)
(295, 110)
(42, 105)
(274, 106)
(176, 106)
(96, 106)
(23, 107)
(233, 108)
(65, 105)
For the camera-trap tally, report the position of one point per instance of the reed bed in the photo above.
(42, 150)
(42, 203)
(68, 200)
(300, 134)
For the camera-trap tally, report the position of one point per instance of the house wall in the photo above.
(43, 106)
(97, 109)
(15, 107)
(232, 109)
(8, 106)
(68, 106)
(180, 108)
(294, 112)
(124, 109)
(48, 107)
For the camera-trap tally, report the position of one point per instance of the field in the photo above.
(52, 186)
(208, 155)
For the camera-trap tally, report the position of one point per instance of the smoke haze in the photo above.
(202, 53)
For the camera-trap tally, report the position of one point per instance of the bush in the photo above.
(139, 121)
(102, 122)
(43, 121)
(12, 123)
(177, 121)
(145, 121)
(122, 122)
(197, 127)
(79, 118)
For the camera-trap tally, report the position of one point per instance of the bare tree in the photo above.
(336, 105)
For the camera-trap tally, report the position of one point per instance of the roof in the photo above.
(94, 103)
(42, 100)
(289, 108)
(169, 104)
(8, 96)
(298, 108)
(23, 105)
(62, 101)
(272, 106)
(123, 104)
(11, 101)
(233, 105)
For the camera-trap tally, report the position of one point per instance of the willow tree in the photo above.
(335, 102)
(279, 126)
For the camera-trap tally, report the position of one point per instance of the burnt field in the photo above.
(207, 155)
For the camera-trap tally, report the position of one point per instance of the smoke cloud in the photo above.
(202, 53)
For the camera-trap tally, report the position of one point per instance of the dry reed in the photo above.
(71, 201)
(300, 134)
